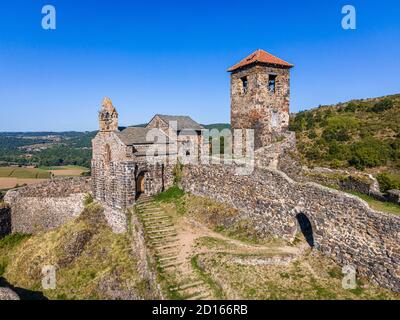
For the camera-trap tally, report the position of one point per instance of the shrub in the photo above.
(388, 182)
(338, 151)
(369, 153)
(312, 134)
(313, 153)
(177, 173)
(171, 194)
(339, 128)
(381, 106)
(335, 164)
(351, 107)
(88, 199)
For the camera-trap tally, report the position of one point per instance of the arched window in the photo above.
(107, 155)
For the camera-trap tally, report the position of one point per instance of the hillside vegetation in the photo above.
(46, 148)
(92, 262)
(362, 134)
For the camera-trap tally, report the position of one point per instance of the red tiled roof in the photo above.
(260, 56)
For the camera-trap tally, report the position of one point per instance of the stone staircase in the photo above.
(162, 242)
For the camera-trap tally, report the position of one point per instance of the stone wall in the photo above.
(343, 226)
(46, 205)
(394, 196)
(270, 156)
(115, 184)
(341, 179)
(5, 220)
(116, 171)
(289, 162)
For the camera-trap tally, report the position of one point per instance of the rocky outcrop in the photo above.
(394, 196)
(8, 294)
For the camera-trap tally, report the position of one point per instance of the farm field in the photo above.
(24, 173)
(10, 183)
(10, 177)
(66, 171)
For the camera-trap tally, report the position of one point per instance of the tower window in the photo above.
(245, 84)
(272, 83)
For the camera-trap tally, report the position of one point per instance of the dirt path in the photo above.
(189, 231)
(174, 241)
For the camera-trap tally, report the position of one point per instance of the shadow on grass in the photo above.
(24, 294)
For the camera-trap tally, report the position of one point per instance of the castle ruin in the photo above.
(340, 225)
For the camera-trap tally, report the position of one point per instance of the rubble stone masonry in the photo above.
(46, 205)
(344, 227)
(257, 107)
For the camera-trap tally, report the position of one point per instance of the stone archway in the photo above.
(306, 228)
(140, 184)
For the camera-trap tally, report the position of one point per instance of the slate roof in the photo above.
(135, 135)
(184, 122)
(260, 56)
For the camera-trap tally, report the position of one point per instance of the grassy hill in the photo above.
(363, 134)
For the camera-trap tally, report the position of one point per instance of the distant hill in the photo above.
(46, 148)
(364, 134)
(218, 126)
(54, 148)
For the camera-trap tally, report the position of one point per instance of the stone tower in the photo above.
(260, 96)
(108, 116)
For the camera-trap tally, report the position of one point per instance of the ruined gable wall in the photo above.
(158, 123)
(344, 227)
(113, 183)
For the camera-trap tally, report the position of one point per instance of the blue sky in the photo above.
(171, 57)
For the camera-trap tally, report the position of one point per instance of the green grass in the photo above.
(170, 195)
(23, 173)
(217, 290)
(7, 245)
(378, 205)
(12, 240)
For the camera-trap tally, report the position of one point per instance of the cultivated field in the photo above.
(10, 183)
(66, 171)
(23, 173)
(11, 177)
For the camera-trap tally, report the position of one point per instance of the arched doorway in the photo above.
(306, 228)
(140, 184)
